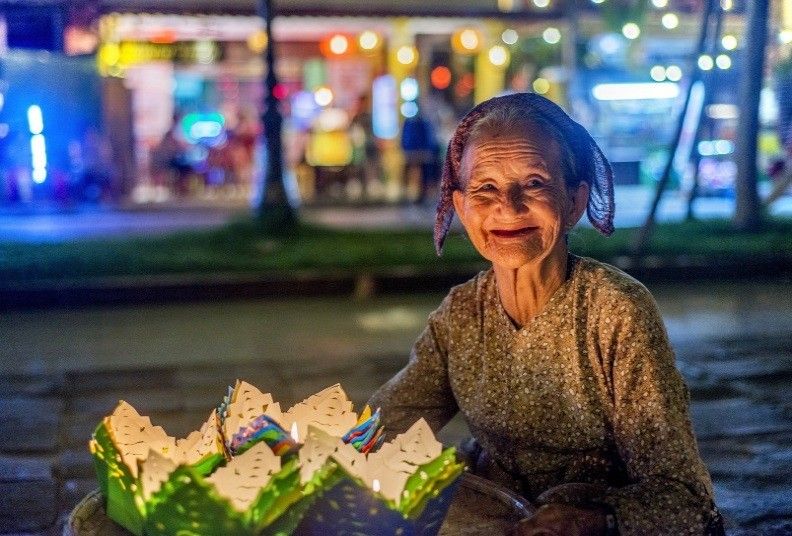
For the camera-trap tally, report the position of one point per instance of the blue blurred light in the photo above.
(384, 111)
(409, 109)
(303, 109)
(35, 119)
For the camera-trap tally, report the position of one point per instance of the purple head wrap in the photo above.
(590, 164)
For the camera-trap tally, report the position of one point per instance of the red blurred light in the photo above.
(440, 77)
(279, 91)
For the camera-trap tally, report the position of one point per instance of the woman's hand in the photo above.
(562, 520)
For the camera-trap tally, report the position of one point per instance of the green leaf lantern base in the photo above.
(305, 491)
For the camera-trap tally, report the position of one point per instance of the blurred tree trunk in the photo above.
(747, 213)
(274, 209)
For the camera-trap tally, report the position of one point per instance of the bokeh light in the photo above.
(406, 55)
(723, 61)
(440, 77)
(705, 62)
(670, 21)
(673, 73)
(631, 30)
(339, 44)
(658, 73)
(509, 36)
(541, 85)
(551, 35)
(498, 55)
(729, 42)
(323, 96)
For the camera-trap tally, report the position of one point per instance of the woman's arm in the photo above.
(671, 492)
(421, 388)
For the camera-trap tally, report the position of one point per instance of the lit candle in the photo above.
(294, 433)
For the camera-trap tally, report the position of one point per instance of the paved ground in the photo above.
(47, 224)
(65, 369)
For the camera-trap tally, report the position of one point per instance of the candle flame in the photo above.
(294, 432)
(375, 485)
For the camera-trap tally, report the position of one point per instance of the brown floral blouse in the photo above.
(587, 392)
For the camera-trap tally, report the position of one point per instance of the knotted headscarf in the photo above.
(590, 164)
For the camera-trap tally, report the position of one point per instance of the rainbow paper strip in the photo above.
(367, 433)
(264, 429)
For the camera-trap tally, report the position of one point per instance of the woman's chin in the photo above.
(512, 257)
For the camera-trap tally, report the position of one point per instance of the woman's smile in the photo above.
(513, 233)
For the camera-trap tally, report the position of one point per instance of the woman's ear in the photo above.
(459, 204)
(578, 202)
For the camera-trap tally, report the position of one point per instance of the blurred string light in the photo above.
(541, 3)
(498, 55)
(597, 1)
(368, 40)
(673, 73)
(35, 119)
(659, 4)
(323, 96)
(257, 41)
(440, 77)
(541, 85)
(658, 73)
(631, 30)
(551, 35)
(785, 37)
(727, 5)
(406, 55)
(509, 36)
(723, 111)
(705, 62)
(729, 42)
(723, 61)
(670, 21)
(409, 109)
(635, 91)
(409, 89)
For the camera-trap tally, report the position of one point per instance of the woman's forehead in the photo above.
(511, 149)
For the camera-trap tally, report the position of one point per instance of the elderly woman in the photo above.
(560, 364)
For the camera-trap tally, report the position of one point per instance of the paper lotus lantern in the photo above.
(254, 469)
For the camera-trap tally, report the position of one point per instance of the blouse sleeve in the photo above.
(670, 490)
(421, 388)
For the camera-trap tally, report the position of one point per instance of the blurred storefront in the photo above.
(182, 90)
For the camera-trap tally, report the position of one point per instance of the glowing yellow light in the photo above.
(368, 40)
(541, 85)
(670, 21)
(469, 39)
(323, 96)
(631, 30)
(727, 5)
(658, 73)
(784, 36)
(110, 54)
(498, 55)
(339, 44)
(705, 62)
(406, 55)
(541, 3)
(257, 41)
(659, 4)
(729, 42)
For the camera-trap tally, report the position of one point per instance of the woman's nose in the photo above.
(516, 199)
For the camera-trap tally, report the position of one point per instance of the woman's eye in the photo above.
(535, 183)
(485, 188)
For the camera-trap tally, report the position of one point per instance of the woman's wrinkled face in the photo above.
(514, 203)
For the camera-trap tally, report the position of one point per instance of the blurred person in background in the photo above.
(365, 153)
(421, 151)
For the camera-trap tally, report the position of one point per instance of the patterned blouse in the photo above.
(587, 392)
